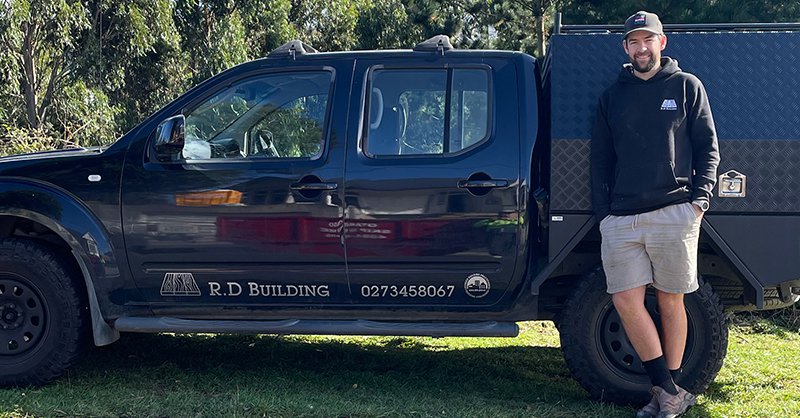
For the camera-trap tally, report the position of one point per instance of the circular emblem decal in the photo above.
(477, 286)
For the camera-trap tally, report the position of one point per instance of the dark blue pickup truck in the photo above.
(431, 192)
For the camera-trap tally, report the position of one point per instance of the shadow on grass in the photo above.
(716, 393)
(404, 376)
(246, 355)
(778, 322)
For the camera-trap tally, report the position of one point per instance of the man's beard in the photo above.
(647, 67)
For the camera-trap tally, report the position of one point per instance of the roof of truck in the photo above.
(438, 45)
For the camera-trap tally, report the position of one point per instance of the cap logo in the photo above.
(640, 20)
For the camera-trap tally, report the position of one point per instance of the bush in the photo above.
(79, 117)
(85, 117)
(14, 140)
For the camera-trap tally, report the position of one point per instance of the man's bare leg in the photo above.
(674, 326)
(637, 322)
(643, 335)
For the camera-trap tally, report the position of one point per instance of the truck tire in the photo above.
(41, 314)
(602, 359)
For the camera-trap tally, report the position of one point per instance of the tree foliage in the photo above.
(81, 72)
(132, 54)
(40, 38)
(385, 24)
(327, 25)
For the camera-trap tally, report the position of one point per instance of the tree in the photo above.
(212, 34)
(326, 25)
(40, 37)
(266, 25)
(523, 25)
(218, 34)
(753, 11)
(71, 61)
(132, 55)
(385, 24)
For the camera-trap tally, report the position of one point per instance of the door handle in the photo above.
(314, 186)
(482, 184)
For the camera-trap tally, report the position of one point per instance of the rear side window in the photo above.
(427, 111)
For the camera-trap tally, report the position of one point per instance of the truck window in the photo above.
(427, 111)
(271, 116)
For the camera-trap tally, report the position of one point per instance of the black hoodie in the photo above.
(653, 143)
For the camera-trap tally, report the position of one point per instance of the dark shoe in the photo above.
(651, 409)
(671, 406)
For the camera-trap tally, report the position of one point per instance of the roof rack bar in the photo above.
(557, 24)
(292, 49)
(682, 27)
(439, 44)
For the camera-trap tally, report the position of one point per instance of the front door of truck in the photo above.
(432, 184)
(250, 214)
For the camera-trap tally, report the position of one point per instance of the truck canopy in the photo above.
(753, 84)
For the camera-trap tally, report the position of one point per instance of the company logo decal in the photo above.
(253, 289)
(477, 286)
(640, 20)
(669, 104)
(179, 284)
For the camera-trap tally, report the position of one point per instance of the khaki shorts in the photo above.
(658, 247)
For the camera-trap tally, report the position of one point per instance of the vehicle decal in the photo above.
(477, 285)
(179, 284)
(253, 289)
(407, 291)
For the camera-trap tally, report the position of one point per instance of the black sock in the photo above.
(676, 374)
(659, 374)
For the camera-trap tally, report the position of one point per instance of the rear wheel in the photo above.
(41, 314)
(602, 359)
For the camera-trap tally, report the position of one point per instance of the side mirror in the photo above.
(170, 138)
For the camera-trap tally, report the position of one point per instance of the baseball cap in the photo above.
(642, 20)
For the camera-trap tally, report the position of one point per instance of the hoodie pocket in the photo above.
(645, 179)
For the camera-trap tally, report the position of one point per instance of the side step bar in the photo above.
(318, 327)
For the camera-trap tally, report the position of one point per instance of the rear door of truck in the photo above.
(432, 180)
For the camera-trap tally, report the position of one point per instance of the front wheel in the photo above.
(41, 314)
(602, 359)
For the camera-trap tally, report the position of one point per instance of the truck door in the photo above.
(251, 213)
(432, 184)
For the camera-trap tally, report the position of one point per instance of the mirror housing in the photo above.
(170, 138)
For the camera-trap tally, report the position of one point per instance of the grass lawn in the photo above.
(255, 376)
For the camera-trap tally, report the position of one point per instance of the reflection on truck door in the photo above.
(431, 206)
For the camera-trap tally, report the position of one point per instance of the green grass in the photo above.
(255, 376)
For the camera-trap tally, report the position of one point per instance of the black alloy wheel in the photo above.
(42, 313)
(23, 319)
(602, 359)
(617, 350)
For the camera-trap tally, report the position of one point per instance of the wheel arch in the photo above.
(44, 212)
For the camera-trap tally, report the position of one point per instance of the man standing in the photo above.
(653, 168)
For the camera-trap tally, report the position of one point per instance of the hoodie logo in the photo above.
(669, 104)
